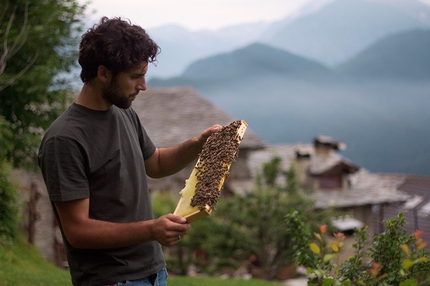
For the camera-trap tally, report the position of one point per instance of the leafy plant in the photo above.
(394, 258)
(8, 206)
(39, 44)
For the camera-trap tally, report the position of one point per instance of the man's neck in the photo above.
(91, 97)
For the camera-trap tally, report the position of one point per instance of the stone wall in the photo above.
(26, 183)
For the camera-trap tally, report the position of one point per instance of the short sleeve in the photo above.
(62, 161)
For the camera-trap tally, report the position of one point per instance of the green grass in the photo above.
(208, 281)
(23, 265)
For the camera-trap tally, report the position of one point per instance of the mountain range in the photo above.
(327, 31)
(376, 101)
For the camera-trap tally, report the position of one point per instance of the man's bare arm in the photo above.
(167, 161)
(84, 232)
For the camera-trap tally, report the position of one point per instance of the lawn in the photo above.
(22, 265)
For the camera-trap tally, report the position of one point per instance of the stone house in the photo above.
(336, 181)
(416, 209)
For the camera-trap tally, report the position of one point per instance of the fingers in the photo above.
(213, 129)
(177, 219)
(171, 229)
(208, 132)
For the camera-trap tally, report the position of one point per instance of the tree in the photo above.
(11, 48)
(38, 44)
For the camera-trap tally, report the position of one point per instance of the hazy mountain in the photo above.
(341, 29)
(405, 55)
(253, 60)
(180, 46)
(325, 30)
(286, 98)
(400, 56)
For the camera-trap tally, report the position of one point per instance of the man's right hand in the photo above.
(169, 229)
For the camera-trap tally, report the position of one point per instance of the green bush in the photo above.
(393, 258)
(8, 205)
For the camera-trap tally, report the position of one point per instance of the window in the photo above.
(331, 182)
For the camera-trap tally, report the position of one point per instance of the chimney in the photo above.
(303, 162)
(323, 145)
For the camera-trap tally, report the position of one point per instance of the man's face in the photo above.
(125, 86)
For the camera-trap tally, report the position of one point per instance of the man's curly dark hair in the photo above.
(116, 44)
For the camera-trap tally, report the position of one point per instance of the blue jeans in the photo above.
(158, 279)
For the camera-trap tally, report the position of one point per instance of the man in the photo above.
(95, 158)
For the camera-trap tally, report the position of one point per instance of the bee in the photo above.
(219, 151)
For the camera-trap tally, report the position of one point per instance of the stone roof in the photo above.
(366, 188)
(173, 115)
(417, 208)
(319, 164)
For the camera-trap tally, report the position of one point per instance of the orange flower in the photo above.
(418, 233)
(375, 268)
(340, 236)
(323, 228)
(376, 265)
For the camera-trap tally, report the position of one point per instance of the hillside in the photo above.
(401, 56)
(22, 265)
(252, 60)
(180, 46)
(256, 60)
(383, 122)
(343, 28)
(329, 32)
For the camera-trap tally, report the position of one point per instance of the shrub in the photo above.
(394, 258)
(8, 206)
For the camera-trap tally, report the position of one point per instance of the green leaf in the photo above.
(335, 246)
(328, 257)
(315, 248)
(409, 282)
(328, 282)
(421, 259)
(318, 273)
(405, 248)
(407, 263)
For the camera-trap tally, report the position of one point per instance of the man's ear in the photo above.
(103, 73)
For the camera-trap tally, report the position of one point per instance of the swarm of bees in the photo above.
(219, 151)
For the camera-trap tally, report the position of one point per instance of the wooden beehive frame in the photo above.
(183, 207)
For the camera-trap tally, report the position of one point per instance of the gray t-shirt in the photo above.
(100, 155)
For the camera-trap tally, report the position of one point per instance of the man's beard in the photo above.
(113, 94)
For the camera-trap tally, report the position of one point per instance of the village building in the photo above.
(416, 209)
(336, 181)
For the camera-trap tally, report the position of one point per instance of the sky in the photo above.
(194, 15)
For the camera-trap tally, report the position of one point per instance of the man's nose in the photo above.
(142, 84)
